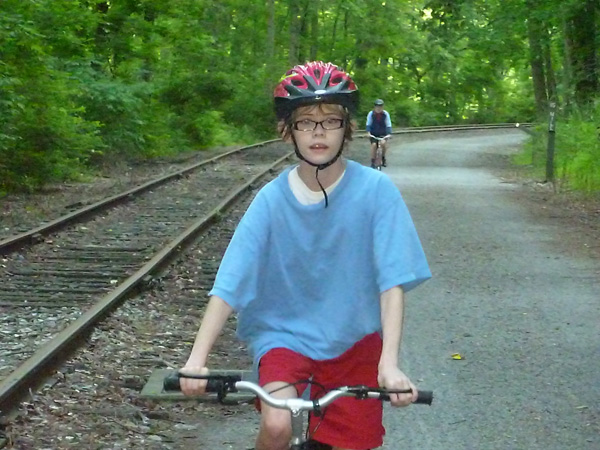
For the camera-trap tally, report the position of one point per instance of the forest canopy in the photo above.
(82, 82)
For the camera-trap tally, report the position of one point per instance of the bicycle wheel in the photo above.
(379, 159)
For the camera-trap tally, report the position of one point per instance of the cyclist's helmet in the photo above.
(314, 82)
(378, 102)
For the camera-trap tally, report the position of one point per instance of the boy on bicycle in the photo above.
(379, 125)
(316, 271)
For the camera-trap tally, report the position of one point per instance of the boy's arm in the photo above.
(216, 314)
(388, 123)
(392, 320)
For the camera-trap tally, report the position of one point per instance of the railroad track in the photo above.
(467, 127)
(54, 290)
(34, 235)
(68, 272)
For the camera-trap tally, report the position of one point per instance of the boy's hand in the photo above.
(393, 378)
(191, 386)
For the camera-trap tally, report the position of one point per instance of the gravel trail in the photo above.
(515, 292)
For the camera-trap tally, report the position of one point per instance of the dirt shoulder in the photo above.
(576, 213)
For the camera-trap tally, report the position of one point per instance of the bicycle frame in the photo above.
(378, 163)
(378, 156)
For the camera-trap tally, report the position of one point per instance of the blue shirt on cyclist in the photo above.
(288, 296)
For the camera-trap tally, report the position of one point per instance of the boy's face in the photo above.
(319, 145)
(378, 109)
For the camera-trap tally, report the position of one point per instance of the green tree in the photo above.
(87, 81)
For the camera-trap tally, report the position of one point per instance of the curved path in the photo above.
(515, 292)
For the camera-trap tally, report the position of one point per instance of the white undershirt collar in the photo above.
(302, 192)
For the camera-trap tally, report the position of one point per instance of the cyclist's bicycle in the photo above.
(378, 160)
(224, 384)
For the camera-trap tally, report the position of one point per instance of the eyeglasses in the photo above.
(311, 125)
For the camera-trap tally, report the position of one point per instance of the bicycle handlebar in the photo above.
(223, 384)
(380, 138)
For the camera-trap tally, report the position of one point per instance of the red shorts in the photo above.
(347, 422)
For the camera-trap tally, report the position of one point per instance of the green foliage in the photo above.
(119, 108)
(86, 81)
(43, 137)
(577, 151)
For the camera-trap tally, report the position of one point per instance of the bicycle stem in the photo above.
(297, 428)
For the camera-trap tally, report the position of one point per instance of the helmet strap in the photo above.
(318, 166)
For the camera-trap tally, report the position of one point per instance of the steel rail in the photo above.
(460, 127)
(20, 240)
(31, 373)
(468, 126)
(441, 128)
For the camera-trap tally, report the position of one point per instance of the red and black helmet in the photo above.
(314, 82)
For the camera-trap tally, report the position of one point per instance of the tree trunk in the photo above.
(537, 64)
(549, 69)
(271, 32)
(101, 35)
(583, 36)
(314, 30)
(567, 72)
(293, 56)
(335, 24)
(304, 17)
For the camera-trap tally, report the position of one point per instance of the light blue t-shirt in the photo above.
(308, 278)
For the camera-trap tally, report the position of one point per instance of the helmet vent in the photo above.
(314, 82)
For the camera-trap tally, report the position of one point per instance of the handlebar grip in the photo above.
(423, 398)
(171, 383)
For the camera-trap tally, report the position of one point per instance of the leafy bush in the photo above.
(43, 137)
(577, 151)
(118, 107)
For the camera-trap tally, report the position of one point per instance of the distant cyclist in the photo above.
(379, 125)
